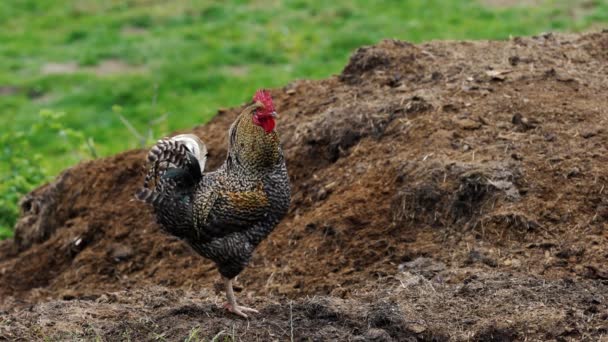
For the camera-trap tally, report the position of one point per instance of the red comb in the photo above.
(264, 97)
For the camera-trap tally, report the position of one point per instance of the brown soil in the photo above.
(442, 191)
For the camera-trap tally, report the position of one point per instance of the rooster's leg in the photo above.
(231, 304)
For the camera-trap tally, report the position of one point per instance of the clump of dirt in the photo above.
(451, 192)
(448, 190)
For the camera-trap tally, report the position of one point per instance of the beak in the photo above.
(274, 114)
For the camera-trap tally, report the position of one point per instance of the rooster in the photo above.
(223, 215)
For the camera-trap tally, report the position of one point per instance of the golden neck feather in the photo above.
(252, 147)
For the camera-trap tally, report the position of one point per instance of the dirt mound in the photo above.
(485, 160)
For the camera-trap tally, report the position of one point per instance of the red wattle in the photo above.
(268, 125)
(266, 122)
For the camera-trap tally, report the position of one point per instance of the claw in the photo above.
(239, 310)
(246, 309)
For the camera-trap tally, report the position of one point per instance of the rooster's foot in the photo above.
(239, 310)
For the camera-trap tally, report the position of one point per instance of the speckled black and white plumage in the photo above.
(226, 213)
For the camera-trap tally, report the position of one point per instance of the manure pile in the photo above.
(441, 191)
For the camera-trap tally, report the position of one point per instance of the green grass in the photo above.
(189, 58)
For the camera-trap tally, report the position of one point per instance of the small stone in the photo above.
(549, 137)
(514, 60)
(590, 133)
(321, 194)
(417, 328)
(517, 156)
(68, 295)
(468, 124)
(523, 122)
(516, 263)
(497, 75)
(120, 252)
(575, 171)
(379, 335)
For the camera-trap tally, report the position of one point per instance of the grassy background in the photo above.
(172, 64)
